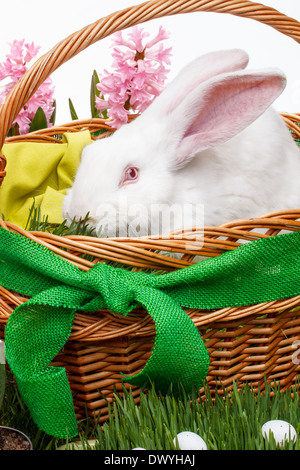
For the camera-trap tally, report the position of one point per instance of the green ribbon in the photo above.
(38, 329)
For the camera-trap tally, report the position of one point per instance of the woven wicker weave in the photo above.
(247, 343)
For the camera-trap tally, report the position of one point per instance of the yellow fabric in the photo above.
(40, 173)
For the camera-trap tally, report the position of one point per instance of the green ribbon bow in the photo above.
(37, 330)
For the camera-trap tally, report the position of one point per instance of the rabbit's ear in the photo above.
(219, 109)
(195, 73)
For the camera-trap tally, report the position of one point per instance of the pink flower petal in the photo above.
(161, 36)
(31, 51)
(118, 40)
(137, 35)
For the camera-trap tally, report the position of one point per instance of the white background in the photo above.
(46, 23)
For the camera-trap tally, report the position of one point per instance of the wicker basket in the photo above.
(245, 343)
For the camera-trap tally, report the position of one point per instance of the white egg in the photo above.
(77, 445)
(281, 430)
(138, 448)
(188, 440)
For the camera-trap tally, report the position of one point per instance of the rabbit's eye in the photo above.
(130, 174)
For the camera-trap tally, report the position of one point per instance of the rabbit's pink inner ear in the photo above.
(201, 69)
(224, 108)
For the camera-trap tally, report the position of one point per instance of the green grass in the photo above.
(35, 222)
(232, 422)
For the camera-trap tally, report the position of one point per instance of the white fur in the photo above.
(243, 169)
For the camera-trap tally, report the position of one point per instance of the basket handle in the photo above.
(80, 40)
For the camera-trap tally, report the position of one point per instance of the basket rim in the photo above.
(145, 252)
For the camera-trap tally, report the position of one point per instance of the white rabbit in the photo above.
(210, 141)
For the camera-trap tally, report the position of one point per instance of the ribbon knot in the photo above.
(114, 287)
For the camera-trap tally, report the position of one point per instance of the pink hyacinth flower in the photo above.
(12, 70)
(139, 74)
